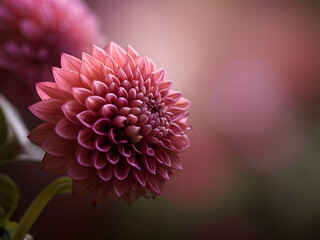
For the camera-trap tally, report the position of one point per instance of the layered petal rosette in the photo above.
(112, 123)
(34, 33)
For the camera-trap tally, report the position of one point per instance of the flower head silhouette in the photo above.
(112, 123)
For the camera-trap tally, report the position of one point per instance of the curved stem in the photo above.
(61, 185)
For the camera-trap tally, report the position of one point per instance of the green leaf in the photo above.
(7, 228)
(14, 144)
(9, 196)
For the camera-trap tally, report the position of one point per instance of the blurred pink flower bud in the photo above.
(33, 35)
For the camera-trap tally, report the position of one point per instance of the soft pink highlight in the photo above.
(112, 123)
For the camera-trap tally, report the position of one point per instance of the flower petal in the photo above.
(81, 187)
(66, 79)
(92, 68)
(140, 176)
(86, 138)
(54, 164)
(113, 156)
(145, 130)
(87, 118)
(99, 160)
(40, 133)
(47, 90)
(183, 104)
(133, 53)
(119, 121)
(175, 161)
(57, 146)
(163, 172)
(48, 110)
(131, 196)
(180, 143)
(78, 172)
(106, 173)
(142, 120)
(99, 88)
(149, 164)
(124, 150)
(101, 144)
(153, 184)
(178, 113)
(176, 128)
(84, 157)
(98, 53)
(145, 148)
(121, 170)
(101, 126)
(81, 94)
(120, 187)
(67, 129)
(70, 63)
(158, 76)
(117, 53)
(71, 109)
(94, 103)
(163, 157)
(108, 110)
(145, 65)
(133, 162)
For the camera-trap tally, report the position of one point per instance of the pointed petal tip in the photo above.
(111, 43)
(94, 46)
(112, 46)
(132, 51)
(63, 54)
(54, 69)
(84, 56)
(69, 62)
(33, 108)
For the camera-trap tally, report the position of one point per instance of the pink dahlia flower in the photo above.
(112, 124)
(34, 33)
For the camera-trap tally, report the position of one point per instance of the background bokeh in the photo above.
(252, 72)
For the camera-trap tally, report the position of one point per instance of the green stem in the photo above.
(61, 185)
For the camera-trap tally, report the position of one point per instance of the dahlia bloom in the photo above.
(112, 124)
(34, 33)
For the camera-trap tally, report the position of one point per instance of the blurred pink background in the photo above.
(252, 72)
